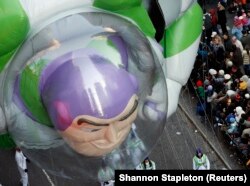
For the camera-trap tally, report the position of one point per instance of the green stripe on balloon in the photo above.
(183, 32)
(113, 5)
(29, 91)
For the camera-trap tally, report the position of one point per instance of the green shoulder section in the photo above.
(6, 142)
(130, 9)
(14, 28)
(113, 5)
(183, 32)
(29, 91)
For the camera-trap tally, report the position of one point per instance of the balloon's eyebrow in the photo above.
(131, 111)
(83, 120)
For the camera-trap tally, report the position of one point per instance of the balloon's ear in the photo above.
(150, 111)
(63, 117)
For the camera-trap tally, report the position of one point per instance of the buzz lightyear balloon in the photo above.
(87, 86)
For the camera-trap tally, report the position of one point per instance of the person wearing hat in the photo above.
(210, 93)
(218, 50)
(221, 73)
(237, 27)
(214, 19)
(237, 58)
(246, 79)
(246, 104)
(227, 106)
(245, 40)
(200, 90)
(200, 161)
(234, 70)
(147, 164)
(238, 112)
(207, 24)
(245, 125)
(245, 133)
(206, 82)
(233, 6)
(211, 74)
(245, 121)
(233, 126)
(213, 34)
(246, 58)
(236, 42)
(247, 96)
(228, 65)
(222, 18)
(219, 81)
(227, 42)
(245, 21)
(227, 81)
(242, 85)
(238, 100)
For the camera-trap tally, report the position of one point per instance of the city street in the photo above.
(184, 132)
(174, 150)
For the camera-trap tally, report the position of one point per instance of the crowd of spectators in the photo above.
(221, 75)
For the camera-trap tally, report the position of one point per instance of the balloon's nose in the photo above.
(111, 133)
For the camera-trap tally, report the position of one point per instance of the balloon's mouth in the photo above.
(96, 147)
(107, 144)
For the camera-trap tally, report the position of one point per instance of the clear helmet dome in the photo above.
(86, 94)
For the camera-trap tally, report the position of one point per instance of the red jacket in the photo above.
(214, 18)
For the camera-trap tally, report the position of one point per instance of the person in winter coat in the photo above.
(245, 40)
(147, 164)
(237, 27)
(214, 19)
(246, 59)
(227, 42)
(237, 58)
(207, 26)
(222, 19)
(200, 161)
(218, 50)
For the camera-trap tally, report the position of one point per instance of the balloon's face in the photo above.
(92, 136)
(94, 107)
(88, 86)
